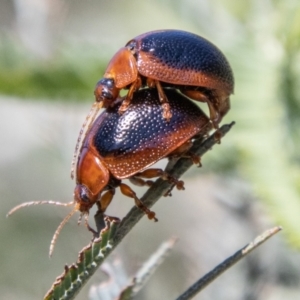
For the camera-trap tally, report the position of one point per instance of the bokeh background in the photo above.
(52, 52)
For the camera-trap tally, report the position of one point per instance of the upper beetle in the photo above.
(118, 147)
(170, 58)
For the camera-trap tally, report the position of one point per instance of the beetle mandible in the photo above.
(170, 58)
(118, 147)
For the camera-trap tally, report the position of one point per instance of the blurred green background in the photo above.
(52, 53)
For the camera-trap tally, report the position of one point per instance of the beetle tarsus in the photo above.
(168, 193)
(166, 111)
(217, 136)
(164, 101)
(196, 159)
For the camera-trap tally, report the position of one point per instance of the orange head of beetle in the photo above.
(92, 177)
(120, 72)
(106, 91)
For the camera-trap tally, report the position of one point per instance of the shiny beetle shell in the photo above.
(182, 58)
(170, 58)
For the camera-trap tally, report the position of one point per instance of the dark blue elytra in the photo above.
(186, 51)
(142, 124)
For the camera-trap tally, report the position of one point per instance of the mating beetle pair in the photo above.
(147, 124)
(167, 60)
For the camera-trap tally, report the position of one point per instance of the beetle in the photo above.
(124, 146)
(170, 58)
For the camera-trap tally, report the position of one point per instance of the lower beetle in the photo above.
(170, 58)
(118, 147)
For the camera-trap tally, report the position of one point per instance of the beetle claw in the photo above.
(166, 111)
(218, 136)
(123, 107)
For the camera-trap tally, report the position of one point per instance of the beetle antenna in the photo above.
(59, 228)
(87, 122)
(25, 204)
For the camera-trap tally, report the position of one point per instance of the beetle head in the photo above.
(92, 177)
(106, 91)
(120, 72)
(84, 198)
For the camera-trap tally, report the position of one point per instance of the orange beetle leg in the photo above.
(140, 182)
(151, 173)
(127, 191)
(164, 101)
(183, 151)
(217, 136)
(201, 97)
(134, 87)
(102, 204)
(105, 200)
(196, 159)
(151, 83)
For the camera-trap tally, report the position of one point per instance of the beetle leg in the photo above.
(134, 87)
(140, 182)
(183, 151)
(151, 83)
(151, 173)
(164, 101)
(86, 222)
(213, 110)
(102, 205)
(127, 191)
(196, 159)
(177, 153)
(105, 200)
(99, 218)
(103, 221)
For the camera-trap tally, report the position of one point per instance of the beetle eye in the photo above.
(83, 196)
(131, 45)
(108, 82)
(106, 95)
